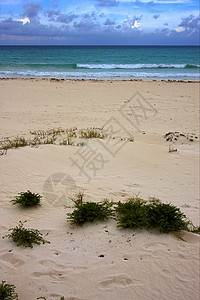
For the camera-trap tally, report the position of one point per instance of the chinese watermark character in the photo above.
(56, 187)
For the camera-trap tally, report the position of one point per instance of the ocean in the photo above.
(100, 62)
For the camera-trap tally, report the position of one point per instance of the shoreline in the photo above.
(104, 80)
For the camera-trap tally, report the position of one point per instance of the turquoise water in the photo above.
(100, 62)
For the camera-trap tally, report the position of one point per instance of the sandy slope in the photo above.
(136, 264)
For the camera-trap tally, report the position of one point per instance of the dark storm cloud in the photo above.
(31, 9)
(109, 22)
(190, 22)
(107, 2)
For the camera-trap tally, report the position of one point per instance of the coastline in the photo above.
(105, 80)
(137, 264)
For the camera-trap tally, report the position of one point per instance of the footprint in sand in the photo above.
(12, 260)
(53, 274)
(155, 246)
(118, 280)
(50, 264)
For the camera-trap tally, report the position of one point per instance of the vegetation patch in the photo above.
(166, 217)
(17, 142)
(89, 211)
(137, 213)
(55, 136)
(92, 133)
(27, 199)
(25, 236)
(7, 291)
(176, 136)
(132, 214)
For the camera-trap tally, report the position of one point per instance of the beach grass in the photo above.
(55, 136)
(25, 237)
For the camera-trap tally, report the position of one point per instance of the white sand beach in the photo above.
(100, 261)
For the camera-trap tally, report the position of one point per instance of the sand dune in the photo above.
(100, 261)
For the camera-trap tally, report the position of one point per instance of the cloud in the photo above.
(131, 22)
(156, 17)
(31, 10)
(89, 29)
(66, 18)
(24, 21)
(136, 25)
(179, 29)
(190, 25)
(109, 22)
(107, 2)
(86, 24)
(138, 3)
(151, 3)
(56, 16)
(50, 14)
(190, 22)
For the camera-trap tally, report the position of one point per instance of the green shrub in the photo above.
(25, 236)
(166, 217)
(89, 212)
(27, 199)
(136, 213)
(7, 291)
(132, 214)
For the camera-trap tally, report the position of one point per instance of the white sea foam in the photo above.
(134, 66)
(98, 75)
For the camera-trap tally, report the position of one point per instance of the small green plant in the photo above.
(80, 144)
(92, 133)
(17, 142)
(132, 214)
(27, 199)
(25, 236)
(7, 291)
(172, 149)
(89, 212)
(166, 217)
(68, 141)
(77, 198)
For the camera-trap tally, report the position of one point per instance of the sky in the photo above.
(99, 22)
